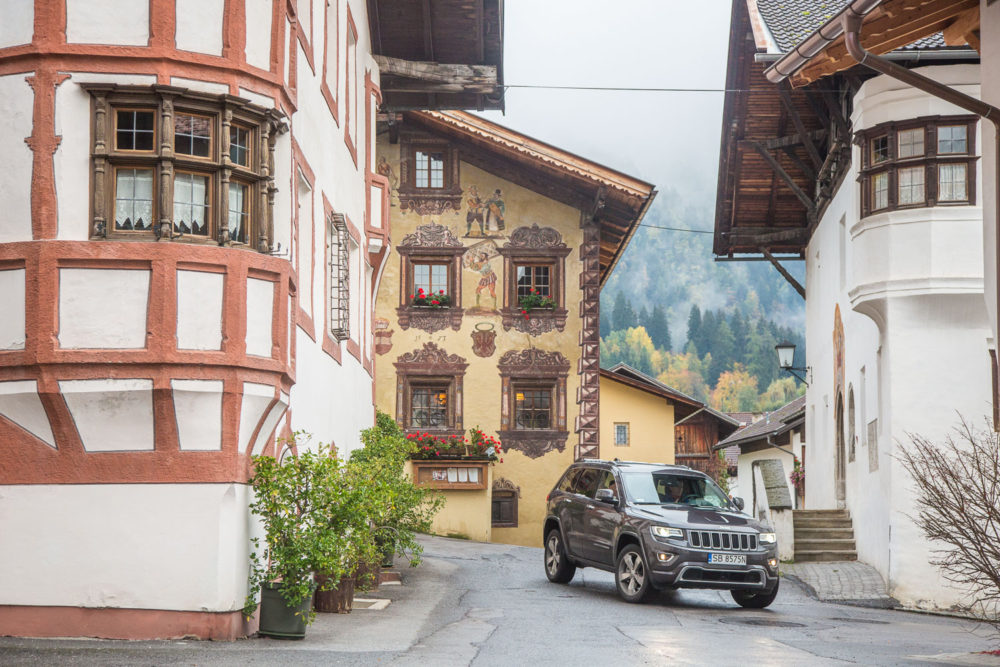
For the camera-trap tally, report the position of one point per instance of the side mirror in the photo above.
(606, 496)
(739, 503)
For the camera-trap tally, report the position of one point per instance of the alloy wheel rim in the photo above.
(630, 574)
(552, 555)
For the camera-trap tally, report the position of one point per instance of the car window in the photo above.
(586, 483)
(665, 487)
(607, 481)
(566, 484)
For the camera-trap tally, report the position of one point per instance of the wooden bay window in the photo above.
(172, 164)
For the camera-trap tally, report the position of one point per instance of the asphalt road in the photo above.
(488, 604)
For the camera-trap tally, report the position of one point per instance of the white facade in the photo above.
(165, 350)
(909, 288)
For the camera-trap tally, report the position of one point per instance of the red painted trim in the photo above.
(234, 30)
(306, 42)
(162, 24)
(292, 46)
(117, 623)
(348, 82)
(328, 94)
(43, 143)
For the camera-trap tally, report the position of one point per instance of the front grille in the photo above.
(710, 539)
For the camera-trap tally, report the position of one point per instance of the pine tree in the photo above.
(605, 322)
(658, 329)
(643, 317)
(618, 315)
(629, 319)
(694, 326)
(722, 346)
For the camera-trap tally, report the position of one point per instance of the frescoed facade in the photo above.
(484, 221)
(193, 230)
(878, 188)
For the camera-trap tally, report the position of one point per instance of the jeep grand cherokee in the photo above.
(657, 526)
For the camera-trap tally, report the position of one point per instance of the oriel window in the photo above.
(133, 199)
(191, 203)
(134, 130)
(193, 135)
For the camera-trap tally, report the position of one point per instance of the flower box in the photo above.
(454, 475)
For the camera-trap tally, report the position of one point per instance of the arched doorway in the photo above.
(840, 471)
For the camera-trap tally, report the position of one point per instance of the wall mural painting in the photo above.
(383, 335)
(383, 168)
(485, 216)
(479, 259)
(484, 339)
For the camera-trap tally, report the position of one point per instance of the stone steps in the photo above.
(814, 556)
(824, 535)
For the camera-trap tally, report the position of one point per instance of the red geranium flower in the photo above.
(435, 302)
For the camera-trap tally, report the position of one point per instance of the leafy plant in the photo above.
(478, 445)
(798, 476)
(430, 300)
(533, 300)
(309, 526)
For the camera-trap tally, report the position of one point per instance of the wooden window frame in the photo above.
(534, 246)
(521, 385)
(210, 206)
(445, 250)
(533, 368)
(504, 496)
(430, 364)
(427, 200)
(930, 160)
(167, 103)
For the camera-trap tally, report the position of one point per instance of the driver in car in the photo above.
(676, 488)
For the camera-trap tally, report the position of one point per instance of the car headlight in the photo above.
(666, 531)
(767, 538)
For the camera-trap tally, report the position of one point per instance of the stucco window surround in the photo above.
(428, 174)
(426, 378)
(530, 249)
(431, 245)
(927, 161)
(533, 370)
(173, 164)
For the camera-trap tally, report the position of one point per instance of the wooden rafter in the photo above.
(800, 128)
(796, 285)
(789, 181)
(428, 31)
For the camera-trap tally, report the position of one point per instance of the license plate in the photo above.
(727, 559)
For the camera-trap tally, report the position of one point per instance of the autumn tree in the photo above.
(780, 392)
(736, 391)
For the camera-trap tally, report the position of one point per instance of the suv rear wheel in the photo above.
(558, 567)
(632, 575)
(755, 599)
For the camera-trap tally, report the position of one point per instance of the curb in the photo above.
(869, 603)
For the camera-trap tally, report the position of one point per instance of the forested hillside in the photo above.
(704, 327)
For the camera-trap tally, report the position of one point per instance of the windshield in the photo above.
(657, 488)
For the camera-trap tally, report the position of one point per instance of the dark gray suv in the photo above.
(657, 526)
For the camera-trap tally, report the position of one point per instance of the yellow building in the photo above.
(643, 419)
(487, 313)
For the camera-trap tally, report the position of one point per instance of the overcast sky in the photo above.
(670, 139)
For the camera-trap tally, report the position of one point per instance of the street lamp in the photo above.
(786, 353)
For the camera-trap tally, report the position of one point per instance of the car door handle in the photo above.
(591, 506)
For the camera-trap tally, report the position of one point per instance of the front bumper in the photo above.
(689, 568)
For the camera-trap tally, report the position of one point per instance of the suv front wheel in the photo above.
(558, 567)
(632, 575)
(755, 599)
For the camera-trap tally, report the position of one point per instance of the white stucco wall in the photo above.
(19, 402)
(175, 546)
(113, 415)
(915, 331)
(199, 26)
(16, 101)
(120, 22)
(258, 33)
(260, 314)
(103, 308)
(199, 310)
(18, 23)
(989, 29)
(198, 411)
(12, 304)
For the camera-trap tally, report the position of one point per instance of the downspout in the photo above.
(852, 22)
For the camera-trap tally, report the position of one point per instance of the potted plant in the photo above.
(293, 500)
(535, 300)
(430, 300)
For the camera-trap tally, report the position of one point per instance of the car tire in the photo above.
(558, 567)
(632, 576)
(755, 599)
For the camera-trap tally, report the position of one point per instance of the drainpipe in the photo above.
(852, 21)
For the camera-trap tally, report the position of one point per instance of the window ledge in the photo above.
(534, 443)
(539, 320)
(429, 319)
